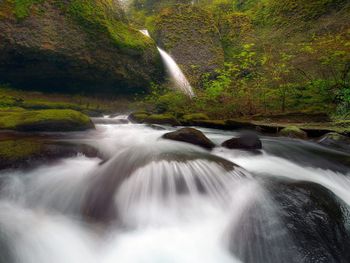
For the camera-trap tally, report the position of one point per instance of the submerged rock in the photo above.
(336, 140)
(293, 132)
(191, 136)
(77, 46)
(292, 223)
(99, 204)
(246, 141)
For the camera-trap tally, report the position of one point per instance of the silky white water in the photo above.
(177, 76)
(167, 202)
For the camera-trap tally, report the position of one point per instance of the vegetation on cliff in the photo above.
(280, 57)
(74, 46)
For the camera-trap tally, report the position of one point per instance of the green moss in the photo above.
(18, 148)
(284, 11)
(42, 104)
(293, 132)
(22, 7)
(139, 116)
(101, 17)
(45, 120)
(195, 116)
(161, 119)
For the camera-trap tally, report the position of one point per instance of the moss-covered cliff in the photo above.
(72, 45)
(190, 35)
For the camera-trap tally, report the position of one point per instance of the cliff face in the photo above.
(190, 35)
(71, 45)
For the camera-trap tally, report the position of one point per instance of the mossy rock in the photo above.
(190, 35)
(139, 116)
(194, 117)
(45, 120)
(293, 132)
(161, 119)
(17, 151)
(76, 46)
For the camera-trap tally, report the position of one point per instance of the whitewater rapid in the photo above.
(167, 202)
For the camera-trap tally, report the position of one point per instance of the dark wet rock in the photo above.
(109, 121)
(293, 132)
(241, 125)
(246, 141)
(292, 223)
(190, 135)
(336, 141)
(156, 127)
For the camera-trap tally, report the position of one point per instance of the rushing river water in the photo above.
(159, 201)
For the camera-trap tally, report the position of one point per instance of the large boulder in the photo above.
(190, 135)
(45, 121)
(246, 141)
(293, 132)
(292, 222)
(189, 34)
(80, 46)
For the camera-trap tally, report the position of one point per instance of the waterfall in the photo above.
(174, 71)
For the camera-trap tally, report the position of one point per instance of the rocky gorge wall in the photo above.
(75, 46)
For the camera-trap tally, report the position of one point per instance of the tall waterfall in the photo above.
(174, 71)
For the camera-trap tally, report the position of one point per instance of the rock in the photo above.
(138, 116)
(77, 46)
(156, 127)
(293, 132)
(189, 34)
(109, 121)
(336, 140)
(246, 141)
(212, 124)
(162, 119)
(45, 120)
(191, 136)
(195, 117)
(293, 222)
(99, 205)
(18, 151)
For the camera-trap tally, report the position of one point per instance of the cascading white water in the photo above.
(167, 202)
(177, 76)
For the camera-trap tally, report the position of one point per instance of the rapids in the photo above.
(156, 201)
